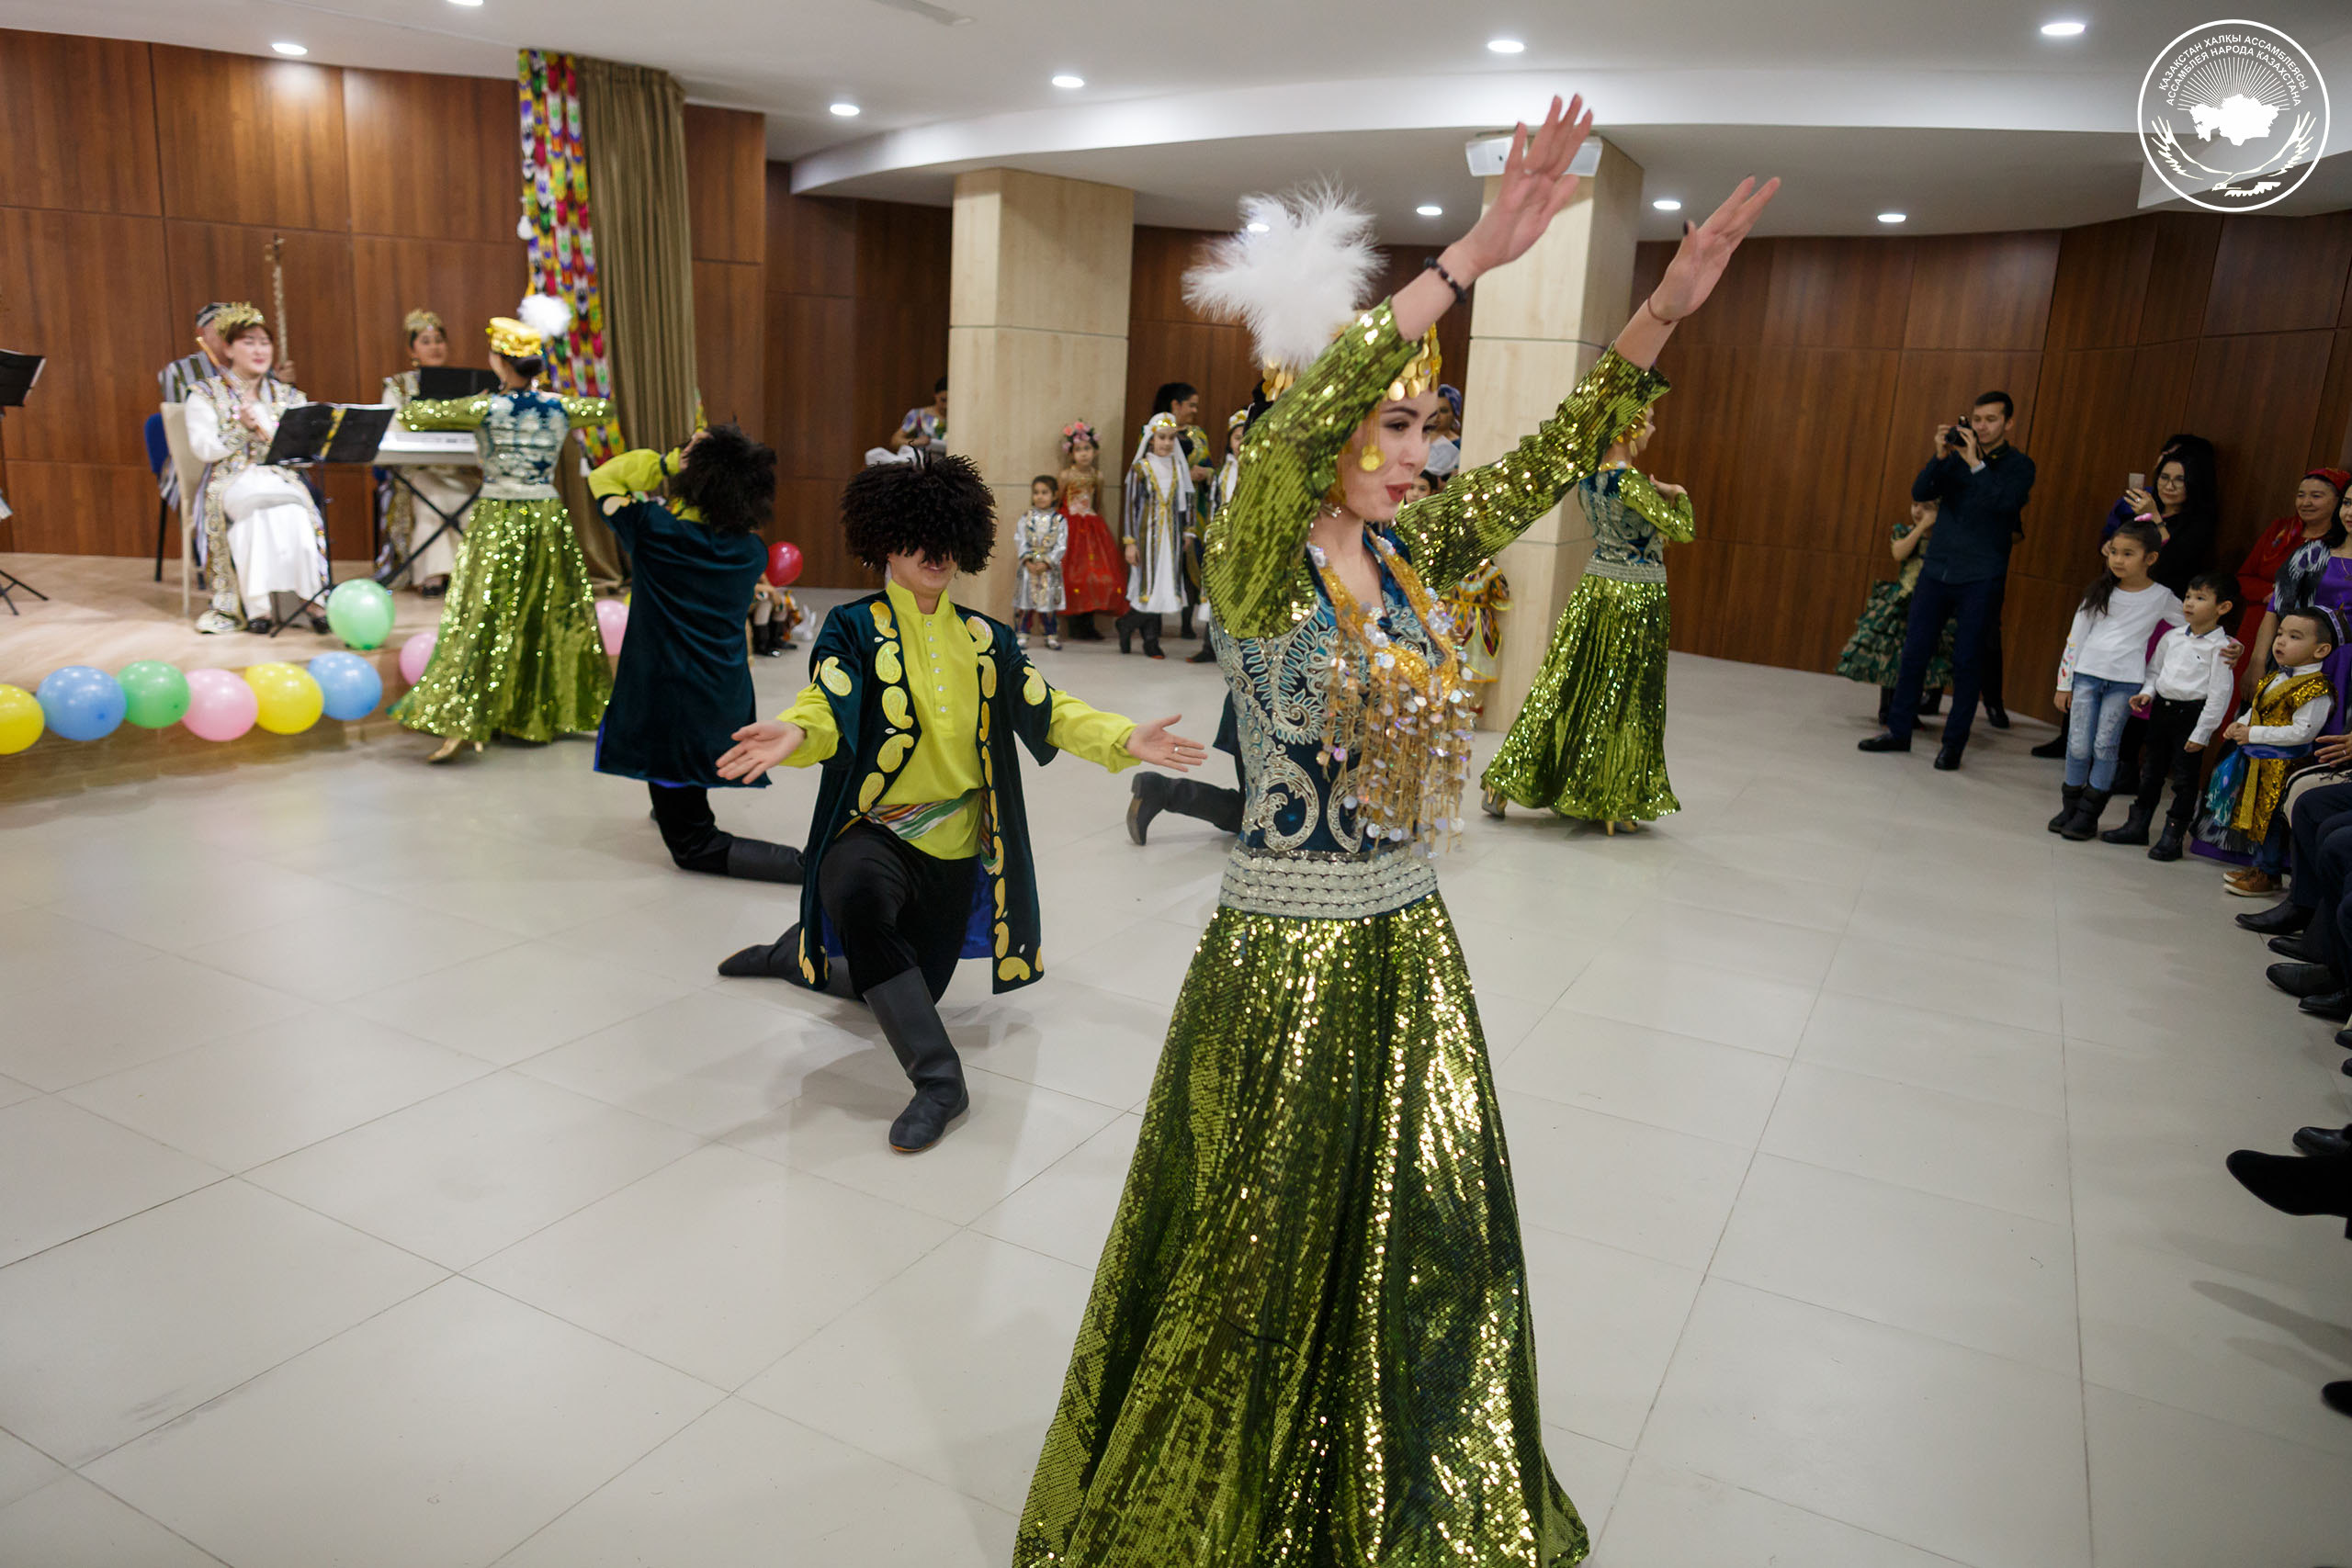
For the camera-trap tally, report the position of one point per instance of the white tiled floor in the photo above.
(386, 1178)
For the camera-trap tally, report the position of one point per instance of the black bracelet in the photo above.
(1432, 264)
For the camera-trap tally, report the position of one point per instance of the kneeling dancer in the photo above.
(918, 854)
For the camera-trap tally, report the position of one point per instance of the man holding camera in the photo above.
(1978, 484)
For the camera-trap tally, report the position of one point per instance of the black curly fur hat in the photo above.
(730, 478)
(937, 508)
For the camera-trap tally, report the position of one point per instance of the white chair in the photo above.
(190, 474)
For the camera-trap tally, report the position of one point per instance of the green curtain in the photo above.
(633, 119)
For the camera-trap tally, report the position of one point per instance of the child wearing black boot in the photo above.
(2105, 664)
(2185, 699)
(690, 521)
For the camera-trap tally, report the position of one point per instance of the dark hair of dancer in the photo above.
(730, 478)
(939, 509)
(531, 367)
(2148, 536)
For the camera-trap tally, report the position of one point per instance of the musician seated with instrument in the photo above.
(407, 526)
(264, 543)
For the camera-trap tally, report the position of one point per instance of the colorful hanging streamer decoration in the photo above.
(556, 228)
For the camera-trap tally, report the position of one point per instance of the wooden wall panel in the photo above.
(87, 291)
(432, 157)
(2103, 414)
(2101, 285)
(464, 282)
(86, 509)
(227, 260)
(1837, 294)
(1982, 291)
(2332, 430)
(2180, 275)
(2255, 397)
(811, 339)
(58, 152)
(811, 240)
(248, 141)
(725, 184)
(729, 309)
(1789, 607)
(902, 253)
(2278, 275)
(1813, 449)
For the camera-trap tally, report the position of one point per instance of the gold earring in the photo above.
(1372, 457)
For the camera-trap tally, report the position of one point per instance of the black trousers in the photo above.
(2165, 755)
(895, 908)
(2322, 824)
(1989, 662)
(689, 828)
(1971, 606)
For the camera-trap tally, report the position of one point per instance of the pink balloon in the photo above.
(612, 619)
(221, 705)
(415, 654)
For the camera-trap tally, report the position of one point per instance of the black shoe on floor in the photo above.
(1931, 704)
(2283, 919)
(910, 1021)
(756, 860)
(1146, 798)
(2069, 797)
(2325, 1143)
(2304, 980)
(2293, 949)
(1884, 741)
(1947, 759)
(2294, 1184)
(2334, 1006)
(2052, 748)
(777, 959)
(2134, 829)
(2337, 1396)
(1207, 655)
(1995, 715)
(2169, 845)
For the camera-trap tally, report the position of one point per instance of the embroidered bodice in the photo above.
(1632, 524)
(1302, 851)
(519, 434)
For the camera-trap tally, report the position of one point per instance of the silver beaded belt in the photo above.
(1321, 886)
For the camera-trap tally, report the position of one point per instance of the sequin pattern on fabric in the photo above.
(1309, 1344)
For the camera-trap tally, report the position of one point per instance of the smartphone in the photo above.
(2137, 481)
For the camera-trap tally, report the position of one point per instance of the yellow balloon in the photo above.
(20, 720)
(289, 698)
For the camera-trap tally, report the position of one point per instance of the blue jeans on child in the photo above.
(2094, 729)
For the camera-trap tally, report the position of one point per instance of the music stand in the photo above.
(440, 383)
(316, 433)
(18, 372)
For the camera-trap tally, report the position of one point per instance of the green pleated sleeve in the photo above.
(1674, 520)
(1485, 508)
(445, 413)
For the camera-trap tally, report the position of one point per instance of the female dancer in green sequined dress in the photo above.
(1590, 739)
(1308, 1344)
(519, 652)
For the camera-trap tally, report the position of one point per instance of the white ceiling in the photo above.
(1960, 114)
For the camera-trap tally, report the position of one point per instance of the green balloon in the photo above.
(361, 611)
(155, 695)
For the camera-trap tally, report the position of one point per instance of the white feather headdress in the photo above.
(1294, 275)
(546, 315)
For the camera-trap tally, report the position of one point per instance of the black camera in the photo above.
(1957, 436)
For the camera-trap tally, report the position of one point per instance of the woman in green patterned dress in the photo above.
(519, 652)
(1590, 742)
(1874, 655)
(1309, 1344)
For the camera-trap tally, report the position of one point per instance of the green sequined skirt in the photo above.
(1309, 1344)
(1874, 655)
(1590, 741)
(519, 652)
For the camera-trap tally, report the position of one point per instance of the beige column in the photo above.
(1535, 326)
(1037, 337)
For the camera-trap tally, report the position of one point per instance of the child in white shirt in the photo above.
(2191, 678)
(2105, 664)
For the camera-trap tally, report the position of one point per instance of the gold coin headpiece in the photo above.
(416, 321)
(235, 315)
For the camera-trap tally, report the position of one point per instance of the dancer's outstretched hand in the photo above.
(1535, 185)
(1698, 265)
(1152, 743)
(759, 747)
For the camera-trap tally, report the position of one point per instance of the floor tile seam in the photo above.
(718, 1391)
(68, 1241)
(399, 894)
(1910, 999)
(489, 1068)
(346, 999)
(127, 1503)
(845, 1440)
(1639, 1121)
(1839, 930)
(2074, 1374)
(1922, 1192)
(246, 1382)
(2333, 1455)
(2057, 1118)
(1777, 1500)
(153, 951)
(613, 1021)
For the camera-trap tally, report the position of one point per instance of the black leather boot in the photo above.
(2169, 843)
(910, 1021)
(1931, 704)
(2134, 829)
(756, 860)
(2069, 796)
(2283, 919)
(1146, 798)
(2329, 1143)
(2296, 1184)
(2054, 746)
(1184, 622)
(1126, 625)
(2084, 825)
(777, 959)
(1885, 705)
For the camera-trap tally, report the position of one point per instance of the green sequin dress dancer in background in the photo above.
(519, 652)
(1309, 1340)
(1590, 741)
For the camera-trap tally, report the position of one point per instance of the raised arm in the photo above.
(1674, 521)
(445, 413)
(583, 411)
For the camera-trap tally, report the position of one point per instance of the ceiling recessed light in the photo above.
(1430, 210)
(1069, 79)
(290, 49)
(464, 2)
(1506, 46)
(846, 109)
(2062, 29)
(1257, 228)
(1892, 217)
(1667, 204)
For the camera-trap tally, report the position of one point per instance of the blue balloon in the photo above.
(81, 703)
(349, 684)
